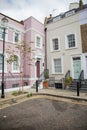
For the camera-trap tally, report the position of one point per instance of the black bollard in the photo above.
(78, 86)
(36, 85)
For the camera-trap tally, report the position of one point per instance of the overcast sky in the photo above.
(22, 9)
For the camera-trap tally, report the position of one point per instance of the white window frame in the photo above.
(6, 34)
(40, 41)
(66, 41)
(53, 69)
(69, 13)
(5, 63)
(18, 70)
(19, 37)
(51, 45)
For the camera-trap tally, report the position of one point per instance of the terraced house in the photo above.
(25, 40)
(66, 40)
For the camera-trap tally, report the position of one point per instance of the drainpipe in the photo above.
(45, 48)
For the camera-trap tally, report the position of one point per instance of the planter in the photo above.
(45, 84)
(68, 82)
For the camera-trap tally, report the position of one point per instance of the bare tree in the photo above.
(25, 58)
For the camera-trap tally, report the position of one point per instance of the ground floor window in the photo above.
(15, 85)
(57, 65)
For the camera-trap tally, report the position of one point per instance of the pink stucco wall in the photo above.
(28, 30)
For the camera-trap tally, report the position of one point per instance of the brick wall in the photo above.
(84, 37)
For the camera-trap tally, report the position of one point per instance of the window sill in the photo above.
(71, 48)
(57, 73)
(15, 71)
(55, 51)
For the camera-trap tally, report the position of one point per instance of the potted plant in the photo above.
(46, 78)
(68, 81)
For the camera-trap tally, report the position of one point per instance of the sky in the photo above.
(39, 9)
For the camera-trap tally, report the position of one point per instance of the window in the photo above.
(5, 62)
(15, 65)
(1, 33)
(38, 41)
(0, 62)
(15, 85)
(57, 66)
(71, 40)
(55, 44)
(69, 13)
(16, 37)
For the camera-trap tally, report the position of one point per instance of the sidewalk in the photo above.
(50, 92)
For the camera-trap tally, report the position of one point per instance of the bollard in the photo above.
(36, 85)
(78, 86)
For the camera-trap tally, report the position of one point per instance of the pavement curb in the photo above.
(63, 96)
(20, 97)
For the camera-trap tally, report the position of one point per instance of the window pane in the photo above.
(71, 40)
(16, 37)
(57, 66)
(15, 65)
(55, 44)
(1, 33)
(38, 41)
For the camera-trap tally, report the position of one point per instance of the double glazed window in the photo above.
(71, 40)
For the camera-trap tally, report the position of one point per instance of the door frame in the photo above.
(72, 68)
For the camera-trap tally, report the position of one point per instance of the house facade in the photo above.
(66, 42)
(30, 63)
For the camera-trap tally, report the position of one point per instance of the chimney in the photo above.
(80, 4)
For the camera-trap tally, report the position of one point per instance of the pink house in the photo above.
(30, 64)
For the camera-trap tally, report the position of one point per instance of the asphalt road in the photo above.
(44, 114)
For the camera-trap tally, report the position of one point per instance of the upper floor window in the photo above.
(55, 44)
(69, 13)
(71, 41)
(1, 33)
(38, 41)
(16, 37)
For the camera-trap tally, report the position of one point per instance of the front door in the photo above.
(38, 69)
(76, 67)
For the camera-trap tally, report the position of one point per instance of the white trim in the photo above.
(16, 71)
(41, 57)
(84, 65)
(37, 35)
(5, 63)
(19, 37)
(53, 72)
(72, 69)
(66, 41)
(51, 44)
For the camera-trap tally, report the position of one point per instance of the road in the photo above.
(44, 114)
